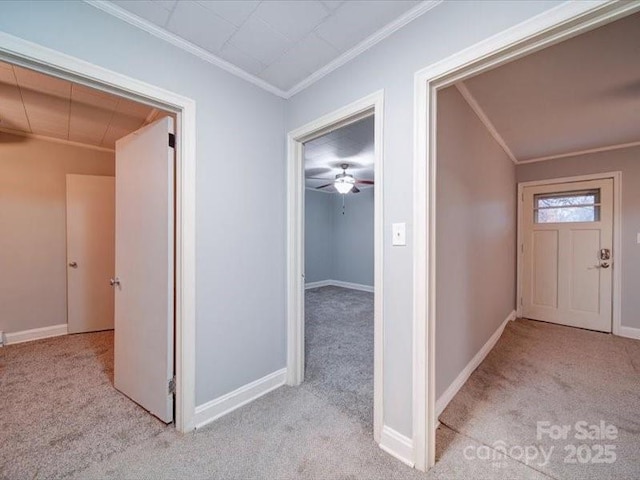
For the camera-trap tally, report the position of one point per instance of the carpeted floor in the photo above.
(80, 427)
(339, 350)
(59, 411)
(541, 372)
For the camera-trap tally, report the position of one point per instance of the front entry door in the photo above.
(567, 253)
(144, 283)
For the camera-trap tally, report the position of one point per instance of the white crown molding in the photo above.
(366, 44)
(464, 91)
(183, 44)
(71, 143)
(607, 148)
(203, 54)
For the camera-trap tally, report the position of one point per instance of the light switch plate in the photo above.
(639, 238)
(399, 234)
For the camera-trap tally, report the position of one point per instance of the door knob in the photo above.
(114, 282)
(602, 265)
(73, 264)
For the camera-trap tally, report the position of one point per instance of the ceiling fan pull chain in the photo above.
(343, 203)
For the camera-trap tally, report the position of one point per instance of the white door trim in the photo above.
(617, 237)
(22, 52)
(367, 106)
(550, 27)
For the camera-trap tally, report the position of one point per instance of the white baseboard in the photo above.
(216, 408)
(629, 332)
(397, 445)
(464, 375)
(339, 283)
(35, 334)
(321, 283)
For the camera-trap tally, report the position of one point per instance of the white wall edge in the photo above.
(218, 407)
(341, 284)
(35, 334)
(475, 362)
(397, 445)
(629, 332)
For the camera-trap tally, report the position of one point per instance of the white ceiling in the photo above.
(352, 144)
(581, 94)
(280, 42)
(34, 103)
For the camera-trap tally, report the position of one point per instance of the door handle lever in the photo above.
(73, 264)
(602, 265)
(114, 282)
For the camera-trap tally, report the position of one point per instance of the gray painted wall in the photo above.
(628, 162)
(353, 238)
(339, 247)
(391, 65)
(240, 129)
(318, 236)
(476, 237)
(240, 330)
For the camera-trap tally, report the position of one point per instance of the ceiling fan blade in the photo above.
(365, 182)
(317, 178)
(324, 186)
(355, 189)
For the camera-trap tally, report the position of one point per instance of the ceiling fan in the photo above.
(344, 182)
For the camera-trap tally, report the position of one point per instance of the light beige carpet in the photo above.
(541, 372)
(59, 411)
(61, 417)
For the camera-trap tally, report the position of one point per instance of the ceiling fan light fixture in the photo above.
(344, 183)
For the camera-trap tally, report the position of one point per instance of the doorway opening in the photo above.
(104, 83)
(339, 243)
(457, 84)
(339, 152)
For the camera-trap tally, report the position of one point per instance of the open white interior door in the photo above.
(144, 282)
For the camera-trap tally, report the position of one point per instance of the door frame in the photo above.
(27, 54)
(363, 108)
(616, 292)
(548, 28)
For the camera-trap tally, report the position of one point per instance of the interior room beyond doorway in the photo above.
(58, 176)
